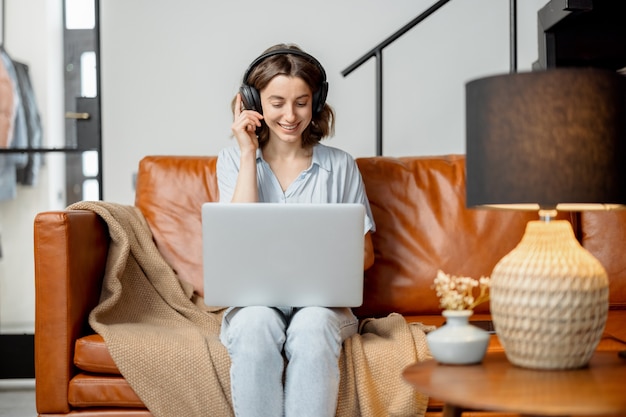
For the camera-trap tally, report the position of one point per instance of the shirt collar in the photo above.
(320, 157)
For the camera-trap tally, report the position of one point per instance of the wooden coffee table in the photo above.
(497, 385)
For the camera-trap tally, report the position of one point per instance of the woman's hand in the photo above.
(244, 129)
(244, 126)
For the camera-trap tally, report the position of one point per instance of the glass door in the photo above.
(82, 100)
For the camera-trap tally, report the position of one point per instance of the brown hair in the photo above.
(323, 122)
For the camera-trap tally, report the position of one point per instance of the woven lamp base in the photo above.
(549, 299)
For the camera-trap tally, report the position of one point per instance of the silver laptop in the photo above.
(279, 255)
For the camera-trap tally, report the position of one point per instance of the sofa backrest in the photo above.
(423, 224)
(170, 191)
(604, 235)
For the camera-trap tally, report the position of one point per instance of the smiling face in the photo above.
(287, 108)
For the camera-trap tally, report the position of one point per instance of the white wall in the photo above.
(170, 69)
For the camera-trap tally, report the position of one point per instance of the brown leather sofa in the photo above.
(422, 223)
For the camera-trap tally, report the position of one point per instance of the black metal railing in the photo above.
(377, 52)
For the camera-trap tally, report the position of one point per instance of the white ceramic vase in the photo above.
(458, 342)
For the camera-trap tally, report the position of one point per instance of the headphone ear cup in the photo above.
(319, 98)
(251, 99)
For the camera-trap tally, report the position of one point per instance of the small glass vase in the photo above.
(458, 342)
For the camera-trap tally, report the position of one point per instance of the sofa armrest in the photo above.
(70, 251)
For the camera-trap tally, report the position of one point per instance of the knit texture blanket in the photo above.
(165, 341)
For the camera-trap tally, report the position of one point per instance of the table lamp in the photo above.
(548, 140)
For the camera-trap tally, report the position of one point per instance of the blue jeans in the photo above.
(310, 339)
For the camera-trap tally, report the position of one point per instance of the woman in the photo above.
(280, 116)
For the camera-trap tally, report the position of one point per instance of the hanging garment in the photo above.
(7, 107)
(28, 174)
(20, 127)
(20, 138)
(8, 180)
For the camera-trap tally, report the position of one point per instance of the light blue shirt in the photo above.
(333, 177)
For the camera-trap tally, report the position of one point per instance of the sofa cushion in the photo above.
(87, 390)
(598, 228)
(92, 355)
(423, 225)
(170, 191)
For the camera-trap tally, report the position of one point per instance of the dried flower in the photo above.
(458, 293)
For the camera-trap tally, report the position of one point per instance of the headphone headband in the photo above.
(266, 55)
(251, 97)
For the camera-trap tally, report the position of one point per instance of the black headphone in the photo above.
(251, 97)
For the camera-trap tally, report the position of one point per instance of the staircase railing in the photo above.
(377, 52)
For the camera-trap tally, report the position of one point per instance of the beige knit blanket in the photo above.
(165, 341)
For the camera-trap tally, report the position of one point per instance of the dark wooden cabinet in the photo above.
(582, 33)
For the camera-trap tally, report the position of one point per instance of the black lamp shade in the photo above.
(547, 137)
